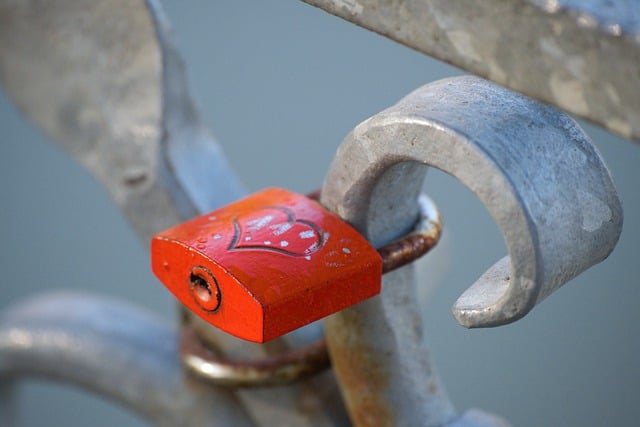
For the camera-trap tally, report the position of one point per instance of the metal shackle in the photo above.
(532, 167)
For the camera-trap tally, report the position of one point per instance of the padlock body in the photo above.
(266, 265)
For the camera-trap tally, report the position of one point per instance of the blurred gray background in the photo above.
(284, 81)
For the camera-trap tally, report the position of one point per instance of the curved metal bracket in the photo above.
(533, 168)
(540, 179)
(116, 350)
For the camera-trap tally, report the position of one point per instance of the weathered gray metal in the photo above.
(114, 349)
(118, 102)
(104, 81)
(507, 149)
(579, 55)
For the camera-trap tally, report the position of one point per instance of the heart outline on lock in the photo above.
(274, 232)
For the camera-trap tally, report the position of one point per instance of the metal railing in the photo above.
(128, 176)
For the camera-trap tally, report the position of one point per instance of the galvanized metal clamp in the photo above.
(537, 174)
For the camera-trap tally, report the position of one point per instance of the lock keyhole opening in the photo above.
(204, 289)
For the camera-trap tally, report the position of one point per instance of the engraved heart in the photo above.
(275, 228)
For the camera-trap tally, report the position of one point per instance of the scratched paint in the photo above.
(594, 211)
(351, 6)
(279, 229)
(259, 223)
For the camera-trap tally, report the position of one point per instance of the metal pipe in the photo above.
(114, 349)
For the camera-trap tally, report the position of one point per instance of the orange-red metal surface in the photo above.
(266, 265)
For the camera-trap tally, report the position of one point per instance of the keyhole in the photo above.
(204, 289)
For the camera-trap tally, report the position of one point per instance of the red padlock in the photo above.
(266, 265)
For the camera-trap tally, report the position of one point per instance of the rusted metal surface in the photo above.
(409, 248)
(417, 243)
(582, 56)
(281, 368)
(383, 367)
